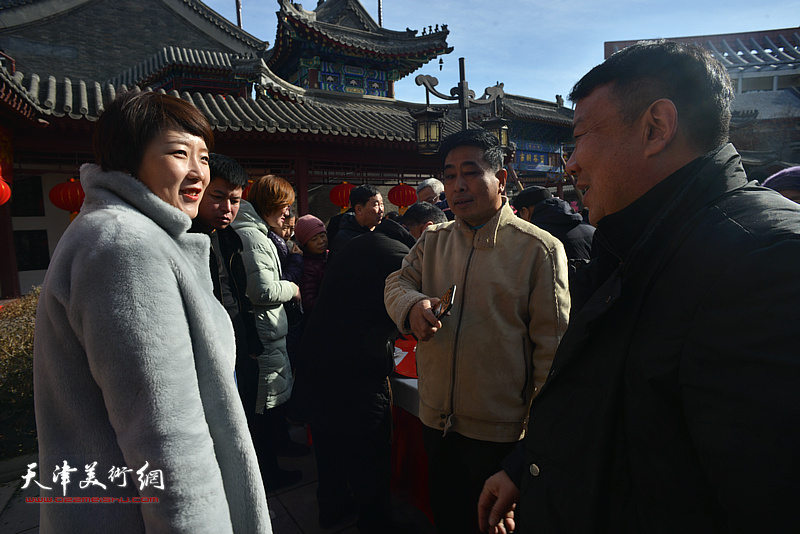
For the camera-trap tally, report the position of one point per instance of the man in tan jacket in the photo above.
(479, 366)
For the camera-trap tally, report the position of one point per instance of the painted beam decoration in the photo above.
(350, 79)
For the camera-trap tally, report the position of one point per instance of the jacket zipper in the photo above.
(449, 421)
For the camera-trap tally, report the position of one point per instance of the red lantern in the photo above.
(68, 196)
(340, 195)
(5, 192)
(403, 196)
(247, 189)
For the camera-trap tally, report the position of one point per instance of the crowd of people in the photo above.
(634, 372)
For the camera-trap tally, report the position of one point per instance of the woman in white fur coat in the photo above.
(134, 357)
(267, 206)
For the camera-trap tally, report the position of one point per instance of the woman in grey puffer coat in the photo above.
(269, 200)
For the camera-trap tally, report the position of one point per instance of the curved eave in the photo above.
(410, 56)
(16, 100)
(368, 42)
(174, 57)
(82, 101)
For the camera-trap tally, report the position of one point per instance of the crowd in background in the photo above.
(635, 374)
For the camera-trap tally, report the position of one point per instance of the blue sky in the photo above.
(536, 48)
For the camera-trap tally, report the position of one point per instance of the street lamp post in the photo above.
(429, 121)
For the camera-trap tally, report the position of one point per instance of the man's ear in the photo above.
(502, 176)
(660, 122)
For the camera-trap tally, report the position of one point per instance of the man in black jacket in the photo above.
(673, 402)
(537, 205)
(367, 204)
(342, 377)
(218, 208)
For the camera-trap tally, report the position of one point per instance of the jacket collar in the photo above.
(247, 217)
(396, 231)
(106, 188)
(624, 234)
(485, 237)
(714, 174)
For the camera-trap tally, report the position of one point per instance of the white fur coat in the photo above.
(134, 364)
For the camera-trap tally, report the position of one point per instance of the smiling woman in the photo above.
(175, 168)
(133, 355)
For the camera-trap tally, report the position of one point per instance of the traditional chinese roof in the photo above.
(16, 13)
(767, 50)
(96, 39)
(517, 107)
(346, 27)
(15, 99)
(548, 122)
(171, 58)
(338, 115)
(7, 4)
(251, 68)
(761, 105)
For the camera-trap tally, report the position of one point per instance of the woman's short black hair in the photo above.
(134, 119)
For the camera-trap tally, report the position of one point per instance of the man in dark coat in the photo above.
(673, 402)
(367, 204)
(342, 377)
(537, 205)
(218, 207)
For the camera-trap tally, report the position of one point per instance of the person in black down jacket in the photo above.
(346, 358)
(537, 205)
(672, 403)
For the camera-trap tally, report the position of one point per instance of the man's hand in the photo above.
(423, 322)
(496, 504)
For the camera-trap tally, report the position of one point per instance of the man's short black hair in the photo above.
(530, 196)
(362, 194)
(227, 168)
(421, 213)
(492, 155)
(686, 74)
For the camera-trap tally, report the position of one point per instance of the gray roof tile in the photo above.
(781, 104)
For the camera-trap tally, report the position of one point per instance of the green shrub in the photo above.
(17, 421)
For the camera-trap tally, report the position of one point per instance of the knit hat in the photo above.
(307, 227)
(784, 180)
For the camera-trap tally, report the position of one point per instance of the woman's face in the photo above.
(276, 218)
(317, 244)
(288, 227)
(175, 167)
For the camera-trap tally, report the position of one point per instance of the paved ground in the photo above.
(293, 510)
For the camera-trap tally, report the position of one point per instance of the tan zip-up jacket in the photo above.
(480, 371)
